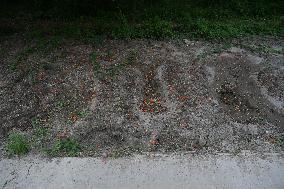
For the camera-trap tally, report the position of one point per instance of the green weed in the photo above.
(125, 31)
(158, 28)
(155, 28)
(35, 122)
(82, 114)
(67, 147)
(17, 144)
(61, 104)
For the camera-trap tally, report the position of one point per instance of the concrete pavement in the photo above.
(246, 171)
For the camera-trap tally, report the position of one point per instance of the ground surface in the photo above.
(123, 97)
(245, 171)
(195, 99)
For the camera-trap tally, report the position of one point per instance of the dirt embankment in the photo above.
(141, 96)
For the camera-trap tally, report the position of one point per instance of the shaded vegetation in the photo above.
(94, 20)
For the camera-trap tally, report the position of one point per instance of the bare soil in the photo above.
(166, 96)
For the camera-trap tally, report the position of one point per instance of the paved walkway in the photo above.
(187, 171)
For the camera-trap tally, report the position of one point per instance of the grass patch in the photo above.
(230, 27)
(93, 21)
(155, 28)
(94, 32)
(17, 144)
(158, 28)
(65, 147)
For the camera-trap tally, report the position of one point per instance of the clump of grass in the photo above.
(158, 28)
(61, 104)
(68, 146)
(17, 144)
(155, 28)
(125, 31)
